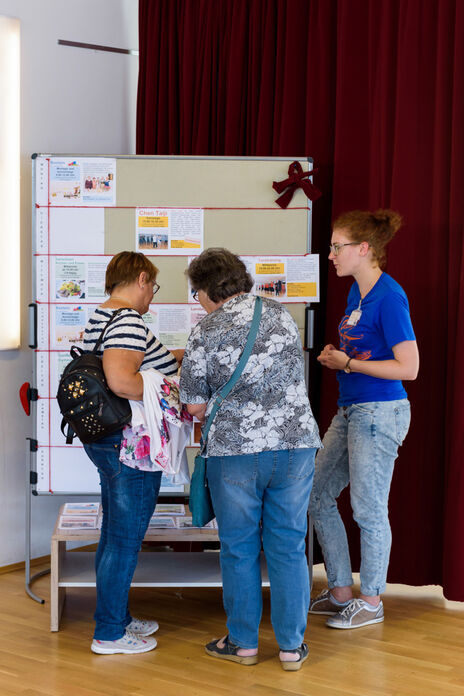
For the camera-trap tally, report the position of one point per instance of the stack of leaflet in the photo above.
(172, 516)
(80, 516)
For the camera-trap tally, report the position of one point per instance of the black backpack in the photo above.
(88, 406)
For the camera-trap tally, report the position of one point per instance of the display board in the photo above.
(86, 209)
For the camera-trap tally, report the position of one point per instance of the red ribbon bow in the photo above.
(297, 178)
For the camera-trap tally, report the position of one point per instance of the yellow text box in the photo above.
(153, 221)
(269, 268)
(182, 244)
(301, 289)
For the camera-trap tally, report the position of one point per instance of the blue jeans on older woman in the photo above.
(128, 500)
(262, 499)
(360, 448)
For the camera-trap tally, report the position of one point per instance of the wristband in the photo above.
(347, 367)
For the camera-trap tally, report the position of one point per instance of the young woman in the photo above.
(377, 352)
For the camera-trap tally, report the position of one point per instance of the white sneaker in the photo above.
(129, 644)
(142, 627)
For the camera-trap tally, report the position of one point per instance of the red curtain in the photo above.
(373, 92)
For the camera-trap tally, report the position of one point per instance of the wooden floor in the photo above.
(419, 650)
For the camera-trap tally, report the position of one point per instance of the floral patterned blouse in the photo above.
(268, 409)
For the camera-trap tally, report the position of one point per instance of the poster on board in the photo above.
(72, 278)
(169, 231)
(79, 181)
(287, 279)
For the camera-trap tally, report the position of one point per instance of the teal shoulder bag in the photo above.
(200, 503)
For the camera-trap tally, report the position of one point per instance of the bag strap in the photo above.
(237, 373)
(70, 435)
(100, 338)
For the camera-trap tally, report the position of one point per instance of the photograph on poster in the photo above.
(82, 181)
(170, 231)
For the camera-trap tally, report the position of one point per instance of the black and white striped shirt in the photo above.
(129, 332)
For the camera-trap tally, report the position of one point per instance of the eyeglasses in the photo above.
(335, 248)
(156, 287)
(195, 295)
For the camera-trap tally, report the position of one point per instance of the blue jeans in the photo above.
(360, 448)
(128, 501)
(263, 498)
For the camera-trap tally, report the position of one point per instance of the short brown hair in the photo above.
(126, 267)
(219, 273)
(376, 228)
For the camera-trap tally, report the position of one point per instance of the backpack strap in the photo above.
(70, 435)
(111, 319)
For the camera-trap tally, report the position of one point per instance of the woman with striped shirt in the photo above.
(128, 493)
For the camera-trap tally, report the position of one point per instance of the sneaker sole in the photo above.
(112, 651)
(242, 660)
(365, 623)
(322, 613)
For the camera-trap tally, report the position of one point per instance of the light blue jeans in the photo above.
(263, 499)
(360, 448)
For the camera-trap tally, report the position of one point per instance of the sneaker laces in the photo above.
(353, 606)
(130, 635)
(325, 594)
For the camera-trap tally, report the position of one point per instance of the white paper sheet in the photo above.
(76, 231)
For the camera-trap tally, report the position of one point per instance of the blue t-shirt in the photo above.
(384, 322)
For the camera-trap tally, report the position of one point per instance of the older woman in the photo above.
(128, 490)
(260, 449)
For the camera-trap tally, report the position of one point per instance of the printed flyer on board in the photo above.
(82, 181)
(172, 323)
(169, 231)
(283, 278)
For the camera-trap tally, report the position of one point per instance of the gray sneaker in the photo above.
(324, 603)
(129, 644)
(355, 615)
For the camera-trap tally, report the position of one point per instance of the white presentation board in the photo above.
(89, 208)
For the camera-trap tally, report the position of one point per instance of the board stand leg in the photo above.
(31, 447)
(57, 594)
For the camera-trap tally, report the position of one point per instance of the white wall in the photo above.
(72, 101)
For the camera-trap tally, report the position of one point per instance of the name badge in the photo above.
(355, 316)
